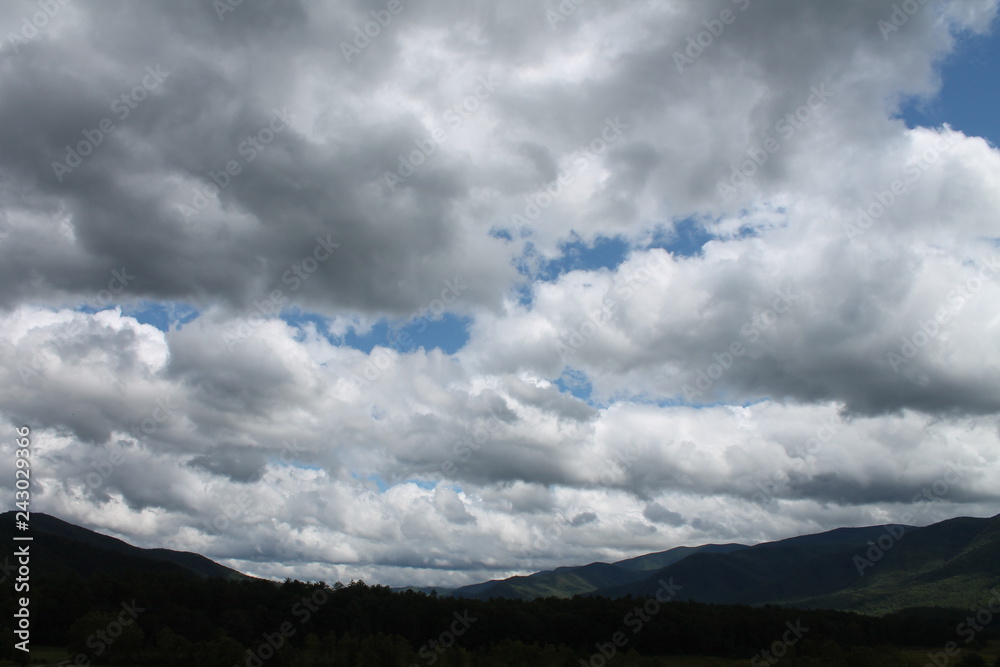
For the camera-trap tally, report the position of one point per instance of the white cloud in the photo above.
(285, 454)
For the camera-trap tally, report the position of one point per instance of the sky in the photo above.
(430, 293)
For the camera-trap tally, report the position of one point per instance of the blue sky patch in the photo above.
(297, 318)
(603, 253)
(160, 314)
(575, 382)
(686, 239)
(384, 486)
(970, 96)
(449, 334)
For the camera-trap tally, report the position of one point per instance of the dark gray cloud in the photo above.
(659, 514)
(839, 371)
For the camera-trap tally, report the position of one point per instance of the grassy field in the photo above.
(696, 661)
(44, 655)
(989, 654)
(53, 655)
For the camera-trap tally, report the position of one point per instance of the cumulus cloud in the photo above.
(279, 186)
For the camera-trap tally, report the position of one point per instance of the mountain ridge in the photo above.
(73, 548)
(895, 567)
(872, 569)
(569, 580)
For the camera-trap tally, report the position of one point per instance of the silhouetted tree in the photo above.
(972, 660)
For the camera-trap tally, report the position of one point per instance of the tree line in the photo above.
(141, 618)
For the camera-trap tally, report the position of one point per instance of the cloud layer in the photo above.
(281, 176)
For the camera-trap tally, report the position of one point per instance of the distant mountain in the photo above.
(561, 582)
(872, 569)
(59, 546)
(754, 575)
(954, 563)
(662, 559)
(878, 569)
(568, 581)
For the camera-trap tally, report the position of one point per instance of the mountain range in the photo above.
(874, 569)
(58, 546)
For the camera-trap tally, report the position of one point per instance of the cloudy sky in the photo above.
(431, 292)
